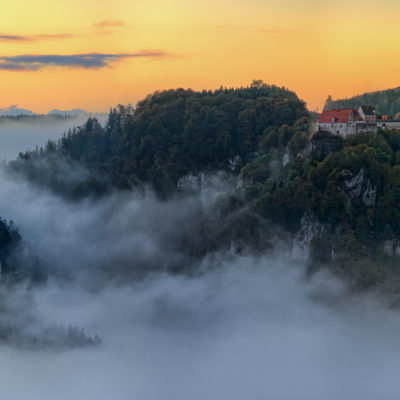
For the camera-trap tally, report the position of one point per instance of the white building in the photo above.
(346, 121)
(340, 121)
(367, 113)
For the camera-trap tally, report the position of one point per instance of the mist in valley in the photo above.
(115, 317)
(19, 134)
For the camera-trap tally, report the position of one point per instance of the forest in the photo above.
(288, 180)
(176, 132)
(387, 102)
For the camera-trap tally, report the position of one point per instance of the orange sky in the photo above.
(313, 47)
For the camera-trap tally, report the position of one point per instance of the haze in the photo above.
(18, 135)
(97, 54)
(236, 326)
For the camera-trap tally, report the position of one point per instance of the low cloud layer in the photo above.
(34, 38)
(234, 327)
(23, 134)
(110, 24)
(31, 62)
(249, 328)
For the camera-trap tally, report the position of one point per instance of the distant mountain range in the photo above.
(76, 112)
(387, 102)
(14, 111)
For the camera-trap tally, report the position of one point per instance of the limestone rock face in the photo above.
(391, 247)
(310, 227)
(360, 186)
(323, 143)
(354, 184)
(286, 158)
(206, 186)
(235, 163)
(369, 195)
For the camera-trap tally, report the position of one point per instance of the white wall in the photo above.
(336, 129)
(349, 128)
(389, 125)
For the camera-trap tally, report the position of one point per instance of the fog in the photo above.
(233, 326)
(254, 328)
(25, 133)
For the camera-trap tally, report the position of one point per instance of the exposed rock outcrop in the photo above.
(391, 247)
(323, 143)
(369, 195)
(354, 184)
(310, 227)
(360, 186)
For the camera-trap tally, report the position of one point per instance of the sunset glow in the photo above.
(315, 48)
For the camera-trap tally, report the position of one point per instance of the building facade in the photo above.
(367, 113)
(340, 121)
(348, 121)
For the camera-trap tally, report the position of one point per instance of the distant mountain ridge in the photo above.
(14, 111)
(387, 102)
(76, 112)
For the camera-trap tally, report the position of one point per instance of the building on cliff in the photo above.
(347, 121)
(367, 113)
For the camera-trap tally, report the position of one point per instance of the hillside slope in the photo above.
(335, 200)
(387, 102)
(174, 133)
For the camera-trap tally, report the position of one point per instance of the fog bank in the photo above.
(232, 327)
(22, 134)
(254, 328)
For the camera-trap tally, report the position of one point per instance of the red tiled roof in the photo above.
(338, 116)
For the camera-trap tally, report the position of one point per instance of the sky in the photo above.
(95, 54)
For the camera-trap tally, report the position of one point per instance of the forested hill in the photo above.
(387, 102)
(176, 132)
(337, 198)
(10, 239)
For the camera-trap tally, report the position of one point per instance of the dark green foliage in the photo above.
(176, 132)
(9, 241)
(350, 186)
(50, 169)
(354, 191)
(298, 143)
(387, 102)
